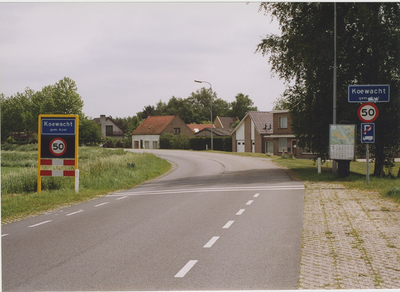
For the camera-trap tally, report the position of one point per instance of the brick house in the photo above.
(147, 135)
(267, 132)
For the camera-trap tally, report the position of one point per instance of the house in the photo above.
(206, 132)
(225, 122)
(222, 127)
(198, 127)
(147, 135)
(109, 129)
(267, 132)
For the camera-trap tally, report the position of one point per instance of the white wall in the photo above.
(145, 138)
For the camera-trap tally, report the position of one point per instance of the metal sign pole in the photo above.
(367, 156)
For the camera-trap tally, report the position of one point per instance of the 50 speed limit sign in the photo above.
(58, 146)
(368, 112)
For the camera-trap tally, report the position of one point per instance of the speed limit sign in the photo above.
(58, 146)
(368, 112)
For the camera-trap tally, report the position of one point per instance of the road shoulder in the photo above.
(351, 239)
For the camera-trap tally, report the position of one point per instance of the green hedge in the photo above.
(219, 143)
(170, 141)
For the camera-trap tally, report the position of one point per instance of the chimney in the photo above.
(103, 125)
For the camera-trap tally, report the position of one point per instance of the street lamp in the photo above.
(199, 81)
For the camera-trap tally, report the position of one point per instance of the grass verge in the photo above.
(101, 171)
(306, 170)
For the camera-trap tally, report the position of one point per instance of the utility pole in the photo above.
(334, 168)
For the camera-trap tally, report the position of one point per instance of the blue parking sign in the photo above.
(367, 132)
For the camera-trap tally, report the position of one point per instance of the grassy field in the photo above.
(101, 171)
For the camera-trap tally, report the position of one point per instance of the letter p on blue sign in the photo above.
(367, 132)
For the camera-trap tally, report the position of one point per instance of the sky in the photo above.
(125, 56)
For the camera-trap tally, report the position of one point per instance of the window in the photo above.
(109, 130)
(177, 131)
(282, 144)
(282, 122)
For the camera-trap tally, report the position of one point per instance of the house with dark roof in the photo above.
(267, 132)
(217, 132)
(225, 122)
(109, 128)
(147, 135)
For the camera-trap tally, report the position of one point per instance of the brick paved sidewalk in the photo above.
(351, 239)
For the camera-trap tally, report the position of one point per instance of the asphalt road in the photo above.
(215, 222)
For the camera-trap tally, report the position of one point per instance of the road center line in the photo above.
(101, 204)
(249, 202)
(256, 195)
(4, 235)
(41, 223)
(186, 269)
(240, 212)
(121, 198)
(211, 242)
(200, 190)
(228, 224)
(73, 213)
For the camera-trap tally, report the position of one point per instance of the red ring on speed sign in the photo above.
(368, 112)
(58, 146)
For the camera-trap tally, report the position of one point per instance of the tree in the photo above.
(89, 131)
(199, 106)
(16, 115)
(367, 53)
(60, 98)
(241, 106)
(128, 125)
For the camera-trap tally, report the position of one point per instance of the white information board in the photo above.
(342, 142)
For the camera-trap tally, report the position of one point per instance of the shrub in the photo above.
(119, 144)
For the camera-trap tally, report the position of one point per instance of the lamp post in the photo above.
(199, 81)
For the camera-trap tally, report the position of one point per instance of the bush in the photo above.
(119, 144)
(109, 144)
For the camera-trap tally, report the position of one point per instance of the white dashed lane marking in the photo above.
(228, 224)
(186, 269)
(211, 242)
(41, 223)
(102, 204)
(73, 213)
(249, 202)
(240, 212)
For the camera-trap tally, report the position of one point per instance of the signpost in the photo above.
(368, 112)
(58, 145)
(368, 93)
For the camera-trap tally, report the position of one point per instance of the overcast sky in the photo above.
(124, 56)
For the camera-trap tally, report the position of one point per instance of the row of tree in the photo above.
(368, 52)
(19, 112)
(194, 109)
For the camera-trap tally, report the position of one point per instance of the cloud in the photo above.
(124, 56)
